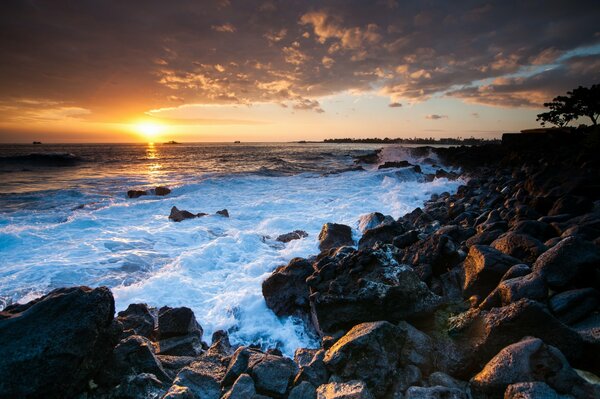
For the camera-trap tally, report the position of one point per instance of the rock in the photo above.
(367, 286)
(354, 389)
(418, 348)
(527, 361)
(179, 215)
(53, 345)
(137, 318)
(484, 267)
(172, 364)
(304, 356)
(573, 205)
(382, 234)
(294, 235)
(571, 260)
(220, 344)
(406, 239)
(179, 392)
(572, 306)
(186, 345)
(437, 392)
(162, 191)
(431, 257)
(540, 230)
(136, 386)
(136, 193)
(483, 238)
(372, 220)
(369, 351)
(442, 379)
(314, 372)
(176, 322)
(532, 390)
(520, 246)
(285, 291)
(394, 164)
(531, 286)
(243, 388)
(304, 390)
(517, 271)
(241, 360)
(334, 235)
(223, 212)
(273, 374)
(203, 377)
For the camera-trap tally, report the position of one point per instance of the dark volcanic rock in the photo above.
(294, 235)
(436, 392)
(369, 351)
(285, 290)
(304, 390)
(571, 306)
(203, 377)
(179, 332)
(540, 230)
(372, 220)
(520, 246)
(179, 215)
(354, 389)
(406, 239)
(52, 346)
(431, 257)
(394, 164)
(223, 212)
(273, 374)
(162, 191)
(529, 360)
(334, 235)
(138, 319)
(383, 234)
(367, 286)
(136, 193)
(483, 238)
(571, 260)
(531, 286)
(532, 390)
(484, 267)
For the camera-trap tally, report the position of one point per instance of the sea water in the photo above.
(65, 220)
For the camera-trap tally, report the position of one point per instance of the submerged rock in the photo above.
(162, 191)
(294, 235)
(136, 193)
(223, 212)
(177, 215)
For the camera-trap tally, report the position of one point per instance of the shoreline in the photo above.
(486, 268)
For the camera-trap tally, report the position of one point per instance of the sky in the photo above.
(223, 70)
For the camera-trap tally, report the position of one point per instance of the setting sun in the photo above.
(148, 130)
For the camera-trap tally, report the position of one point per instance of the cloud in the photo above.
(436, 116)
(304, 104)
(394, 105)
(224, 28)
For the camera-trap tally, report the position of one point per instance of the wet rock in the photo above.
(179, 392)
(437, 392)
(273, 374)
(369, 351)
(53, 345)
(531, 286)
(243, 388)
(484, 267)
(383, 234)
(242, 359)
(178, 331)
(162, 191)
(406, 239)
(571, 306)
(367, 286)
(334, 235)
(172, 364)
(569, 261)
(372, 220)
(203, 377)
(294, 235)
(314, 372)
(527, 361)
(138, 319)
(285, 291)
(532, 390)
(431, 257)
(304, 390)
(223, 212)
(354, 389)
(520, 246)
(394, 164)
(177, 215)
(136, 193)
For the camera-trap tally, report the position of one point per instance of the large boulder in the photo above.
(432, 257)
(243, 388)
(527, 361)
(571, 261)
(334, 235)
(273, 374)
(540, 230)
(531, 286)
(52, 346)
(285, 291)
(178, 332)
(137, 320)
(484, 267)
(520, 246)
(369, 351)
(203, 377)
(571, 306)
(367, 286)
(354, 389)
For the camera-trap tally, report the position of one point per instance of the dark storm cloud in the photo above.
(115, 57)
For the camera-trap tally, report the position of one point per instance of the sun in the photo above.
(148, 129)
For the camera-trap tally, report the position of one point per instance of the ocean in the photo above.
(65, 220)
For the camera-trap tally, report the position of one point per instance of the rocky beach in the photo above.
(491, 291)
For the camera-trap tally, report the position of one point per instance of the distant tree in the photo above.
(580, 102)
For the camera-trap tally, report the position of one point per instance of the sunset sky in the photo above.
(125, 71)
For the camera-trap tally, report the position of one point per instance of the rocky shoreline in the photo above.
(491, 292)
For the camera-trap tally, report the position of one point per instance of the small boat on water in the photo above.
(37, 142)
(172, 142)
(236, 142)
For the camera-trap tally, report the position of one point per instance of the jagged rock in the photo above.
(437, 392)
(162, 191)
(334, 235)
(431, 257)
(531, 286)
(304, 390)
(314, 371)
(532, 390)
(52, 346)
(223, 212)
(382, 234)
(406, 239)
(179, 392)
(285, 291)
(367, 286)
(138, 318)
(303, 356)
(354, 389)
(203, 377)
(177, 215)
(571, 306)
(394, 164)
(569, 261)
(520, 246)
(369, 351)
(242, 388)
(484, 267)
(242, 359)
(273, 374)
(417, 349)
(178, 331)
(144, 385)
(172, 364)
(527, 361)
(136, 193)
(372, 220)
(294, 235)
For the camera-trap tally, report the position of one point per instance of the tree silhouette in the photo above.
(580, 102)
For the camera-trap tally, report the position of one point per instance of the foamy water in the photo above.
(214, 265)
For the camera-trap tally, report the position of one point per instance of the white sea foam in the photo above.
(214, 265)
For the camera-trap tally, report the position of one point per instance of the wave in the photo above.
(42, 159)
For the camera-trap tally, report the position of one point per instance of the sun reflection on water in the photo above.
(154, 167)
